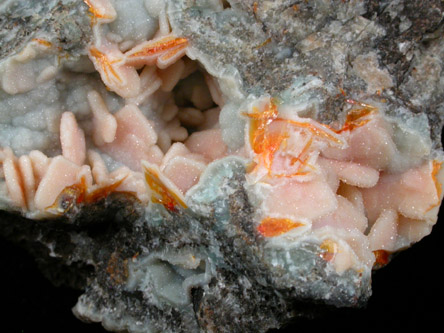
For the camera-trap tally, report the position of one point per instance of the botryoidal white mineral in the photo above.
(195, 152)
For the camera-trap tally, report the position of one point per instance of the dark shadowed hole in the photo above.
(193, 92)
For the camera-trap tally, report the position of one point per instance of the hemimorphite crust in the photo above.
(225, 148)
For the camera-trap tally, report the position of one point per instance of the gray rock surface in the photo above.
(64, 22)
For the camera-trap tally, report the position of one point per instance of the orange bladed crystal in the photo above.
(272, 227)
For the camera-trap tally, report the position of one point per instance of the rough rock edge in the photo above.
(267, 50)
(65, 22)
(105, 246)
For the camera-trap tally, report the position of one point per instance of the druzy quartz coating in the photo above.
(185, 154)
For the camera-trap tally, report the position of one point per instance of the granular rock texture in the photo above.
(219, 166)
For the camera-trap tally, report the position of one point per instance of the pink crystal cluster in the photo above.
(339, 183)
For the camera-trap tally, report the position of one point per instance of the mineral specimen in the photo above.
(208, 165)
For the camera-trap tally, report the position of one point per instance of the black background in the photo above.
(408, 293)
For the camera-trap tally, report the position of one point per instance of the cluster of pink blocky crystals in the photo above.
(338, 184)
